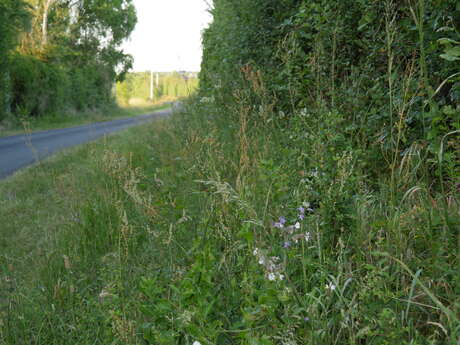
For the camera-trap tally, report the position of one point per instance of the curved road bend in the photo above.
(19, 151)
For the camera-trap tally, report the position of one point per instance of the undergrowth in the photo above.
(220, 230)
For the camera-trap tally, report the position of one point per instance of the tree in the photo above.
(14, 18)
(72, 51)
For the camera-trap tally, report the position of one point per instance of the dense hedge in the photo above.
(38, 87)
(375, 61)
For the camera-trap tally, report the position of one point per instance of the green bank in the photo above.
(186, 229)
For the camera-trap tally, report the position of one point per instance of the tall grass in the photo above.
(227, 230)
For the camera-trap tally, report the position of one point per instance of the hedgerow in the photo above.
(383, 64)
(57, 56)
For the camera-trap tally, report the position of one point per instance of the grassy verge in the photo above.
(18, 126)
(226, 230)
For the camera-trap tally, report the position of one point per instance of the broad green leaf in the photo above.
(449, 57)
(446, 40)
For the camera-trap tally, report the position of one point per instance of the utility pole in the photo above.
(151, 86)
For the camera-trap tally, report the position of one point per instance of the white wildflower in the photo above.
(297, 225)
(330, 286)
(196, 343)
(271, 276)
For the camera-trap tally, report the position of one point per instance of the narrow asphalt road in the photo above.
(19, 151)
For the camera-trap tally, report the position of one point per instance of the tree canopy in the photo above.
(60, 54)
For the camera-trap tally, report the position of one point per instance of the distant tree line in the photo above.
(61, 54)
(157, 86)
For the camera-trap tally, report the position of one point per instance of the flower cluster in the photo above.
(290, 230)
(271, 264)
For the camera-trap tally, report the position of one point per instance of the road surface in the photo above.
(19, 151)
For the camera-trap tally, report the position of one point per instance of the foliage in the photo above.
(307, 195)
(185, 230)
(390, 66)
(14, 18)
(70, 58)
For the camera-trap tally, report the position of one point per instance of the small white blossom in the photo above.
(330, 286)
(307, 237)
(271, 276)
(196, 343)
(261, 261)
(255, 252)
(297, 225)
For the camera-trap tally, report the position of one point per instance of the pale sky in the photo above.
(168, 35)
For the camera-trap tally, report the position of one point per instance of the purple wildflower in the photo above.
(286, 244)
(280, 223)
